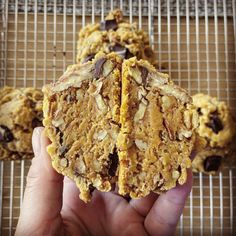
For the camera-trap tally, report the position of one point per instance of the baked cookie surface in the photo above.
(156, 137)
(114, 35)
(20, 113)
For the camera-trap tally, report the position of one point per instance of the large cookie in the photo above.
(156, 136)
(214, 135)
(114, 35)
(20, 113)
(82, 121)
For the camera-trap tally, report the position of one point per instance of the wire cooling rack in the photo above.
(194, 40)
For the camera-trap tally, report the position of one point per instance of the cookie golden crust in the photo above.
(156, 137)
(81, 113)
(20, 113)
(114, 35)
(214, 136)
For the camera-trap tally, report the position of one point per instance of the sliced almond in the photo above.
(100, 103)
(141, 144)
(100, 135)
(79, 94)
(141, 112)
(136, 74)
(64, 162)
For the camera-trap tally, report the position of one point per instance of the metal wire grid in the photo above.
(198, 52)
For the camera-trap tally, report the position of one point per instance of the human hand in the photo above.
(52, 206)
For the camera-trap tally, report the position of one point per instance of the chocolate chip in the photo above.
(98, 67)
(212, 163)
(6, 135)
(108, 24)
(144, 74)
(36, 123)
(215, 123)
(89, 58)
(91, 188)
(199, 111)
(121, 50)
(113, 159)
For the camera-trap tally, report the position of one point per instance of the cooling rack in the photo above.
(194, 41)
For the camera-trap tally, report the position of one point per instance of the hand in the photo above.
(51, 205)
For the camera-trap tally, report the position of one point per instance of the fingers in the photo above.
(43, 194)
(143, 205)
(165, 213)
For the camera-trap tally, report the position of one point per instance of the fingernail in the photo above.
(36, 141)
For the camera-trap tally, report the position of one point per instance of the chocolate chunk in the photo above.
(121, 50)
(36, 123)
(199, 111)
(212, 163)
(144, 74)
(6, 135)
(99, 67)
(89, 58)
(113, 157)
(215, 123)
(91, 188)
(108, 24)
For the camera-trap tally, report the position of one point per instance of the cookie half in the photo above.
(156, 137)
(82, 111)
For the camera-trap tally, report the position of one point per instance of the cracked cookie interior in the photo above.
(156, 137)
(82, 121)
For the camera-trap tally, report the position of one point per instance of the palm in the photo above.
(106, 214)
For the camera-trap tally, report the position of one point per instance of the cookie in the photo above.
(216, 124)
(20, 113)
(114, 35)
(214, 136)
(156, 137)
(81, 113)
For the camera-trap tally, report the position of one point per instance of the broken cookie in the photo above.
(156, 136)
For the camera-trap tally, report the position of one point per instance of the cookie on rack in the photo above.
(214, 135)
(157, 131)
(114, 35)
(20, 113)
(81, 113)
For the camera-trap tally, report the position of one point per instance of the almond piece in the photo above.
(141, 145)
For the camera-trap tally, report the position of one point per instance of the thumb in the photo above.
(43, 194)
